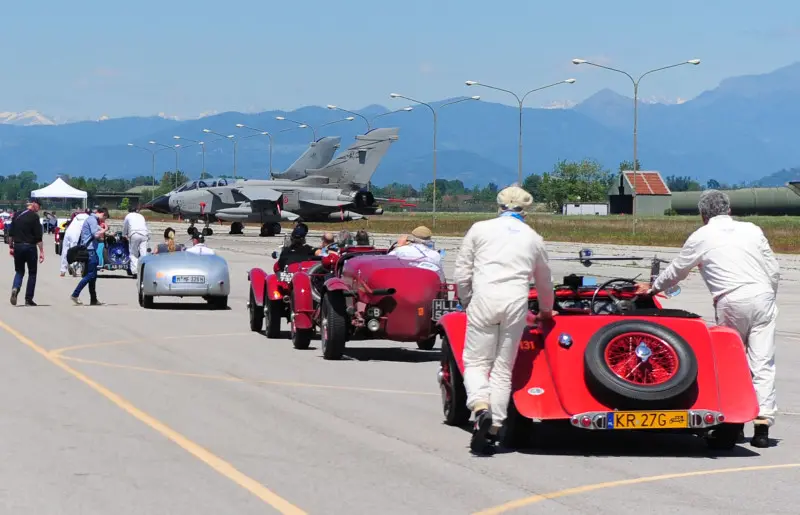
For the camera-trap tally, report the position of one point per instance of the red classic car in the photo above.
(611, 360)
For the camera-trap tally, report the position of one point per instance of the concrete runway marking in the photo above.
(60, 351)
(221, 466)
(233, 379)
(612, 484)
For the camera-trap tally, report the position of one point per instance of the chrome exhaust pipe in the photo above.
(440, 376)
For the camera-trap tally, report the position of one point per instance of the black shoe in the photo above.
(480, 443)
(14, 293)
(30, 303)
(95, 302)
(760, 436)
(740, 437)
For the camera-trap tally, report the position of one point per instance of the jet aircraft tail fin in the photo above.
(356, 165)
(317, 155)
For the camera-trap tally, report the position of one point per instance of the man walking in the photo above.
(70, 239)
(26, 235)
(134, 228)
(493, 271)
(742, 275)
(93, 229)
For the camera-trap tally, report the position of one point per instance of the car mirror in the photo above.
(274, 254)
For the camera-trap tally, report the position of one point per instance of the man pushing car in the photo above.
(742, 274)
(492, 273)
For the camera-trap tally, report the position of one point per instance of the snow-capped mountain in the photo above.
(25, 118)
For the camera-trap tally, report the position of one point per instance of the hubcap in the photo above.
(641, 359)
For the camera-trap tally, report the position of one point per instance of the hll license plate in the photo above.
(189, 279)
(648, 420)
(443, 306)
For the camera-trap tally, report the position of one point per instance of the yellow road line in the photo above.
(61, 350)
(612, 484)
(233, 379)
(210, 459)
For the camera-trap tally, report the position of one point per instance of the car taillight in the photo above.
(709, 418)
(586, 421)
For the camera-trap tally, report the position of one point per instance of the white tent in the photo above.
(60, 189)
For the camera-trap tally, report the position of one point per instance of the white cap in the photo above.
(514, 197)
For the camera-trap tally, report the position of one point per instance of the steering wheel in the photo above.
(616, 300)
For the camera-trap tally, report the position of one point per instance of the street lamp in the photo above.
(520, 101)
(202, 146)
(229, 137)
(261, 133)
(176, 158)
(153, 154)
(300, 126)
(635, 109)
(404, 109)
(348, 119)
(336, 108)
(435, 122)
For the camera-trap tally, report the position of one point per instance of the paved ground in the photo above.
(115, 409)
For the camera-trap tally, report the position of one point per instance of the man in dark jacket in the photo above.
(26, 235)
(298, 250)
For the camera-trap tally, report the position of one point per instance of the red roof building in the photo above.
(653, 196)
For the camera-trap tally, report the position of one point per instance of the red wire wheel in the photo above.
(641, 359)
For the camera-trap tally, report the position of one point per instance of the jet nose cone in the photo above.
(159, 205)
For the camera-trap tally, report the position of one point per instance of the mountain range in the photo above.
(741, 131)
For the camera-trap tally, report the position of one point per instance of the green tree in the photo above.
(531, 184)
(713, 184)
(584, 181)
(682, 183)
(625, 166)
(126, 202)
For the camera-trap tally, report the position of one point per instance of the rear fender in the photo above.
(302, 301)
(737, 397)
(533, 388)
(273, 288)
(336, 284)
(257, 278)
(454, 327)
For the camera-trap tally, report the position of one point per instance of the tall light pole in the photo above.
(202, 146)
(435, 123)
(635, 110)
(300, 126)
(404, 109)
(231, 138)
(348, 119)
(261, 133)
(336, 108)
(520, 101)
(176, 157)
(153, 154)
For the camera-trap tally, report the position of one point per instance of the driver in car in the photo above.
(418, 247)
(493, 271)
(298, 250)
(742, 274)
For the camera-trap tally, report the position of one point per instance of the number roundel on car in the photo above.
(639, 362)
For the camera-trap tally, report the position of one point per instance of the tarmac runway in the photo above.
(180, 409)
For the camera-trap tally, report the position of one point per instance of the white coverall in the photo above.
(200, 249)
(425, 256)
(493, 270)
(135, 229)
(742, 274)
(70, 238)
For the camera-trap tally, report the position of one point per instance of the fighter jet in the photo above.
(336, 191)
(318, 154)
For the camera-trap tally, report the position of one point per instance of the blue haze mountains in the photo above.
(742, 131)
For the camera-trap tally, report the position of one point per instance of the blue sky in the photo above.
(84, 59)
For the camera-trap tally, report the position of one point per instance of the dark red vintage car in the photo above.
(382, 297)
(292, 293)
(611, 360)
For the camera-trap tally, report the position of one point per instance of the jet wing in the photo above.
(258, 194)
(327, 203)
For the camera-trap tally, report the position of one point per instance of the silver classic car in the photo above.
(183, 274)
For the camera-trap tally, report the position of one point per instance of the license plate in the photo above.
(443, 306)
(648, 420)
(115, 267)
(285, 277)
(189, 279)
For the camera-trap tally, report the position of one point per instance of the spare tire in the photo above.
(640, 361)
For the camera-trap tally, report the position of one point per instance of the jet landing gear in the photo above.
(270, 229)
(237, 228)
(206, 231)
